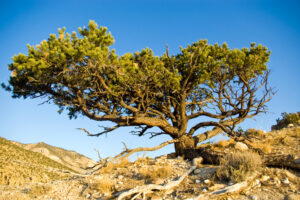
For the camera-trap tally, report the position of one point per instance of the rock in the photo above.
(205, 172)
(197, 171)
(230, 182)
(88, 196)
(292, 197)
(253, 197)
(120, 177)
(159, 181)
(265, 178)
(197, 181)
(286, 181)
(204, 190)
(297, 161)
(206, 181)
(197, 161)
(241, 146)
(290, 125)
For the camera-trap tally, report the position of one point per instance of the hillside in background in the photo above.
(68, 158)
(18, 166)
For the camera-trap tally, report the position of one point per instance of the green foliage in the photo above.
(81, 74)
(286, 119)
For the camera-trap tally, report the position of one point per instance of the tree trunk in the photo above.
(186, 147)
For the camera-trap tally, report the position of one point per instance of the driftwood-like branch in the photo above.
(106, 130)
(148, 188)
(127, 152)
(229, 189)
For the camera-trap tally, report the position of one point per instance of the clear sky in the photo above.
(136, 25)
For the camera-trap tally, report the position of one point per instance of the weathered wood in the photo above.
(148, 188)
(229, 189)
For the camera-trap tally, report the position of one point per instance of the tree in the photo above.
(212, 85)
(286, 119)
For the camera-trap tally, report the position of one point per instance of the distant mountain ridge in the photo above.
(18, 165)
(68, 158)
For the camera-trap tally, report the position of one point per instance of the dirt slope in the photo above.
(68, 158)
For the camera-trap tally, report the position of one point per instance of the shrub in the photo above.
(149, 174)
(287, 118)
(238, 165)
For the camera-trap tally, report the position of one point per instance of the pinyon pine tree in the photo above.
(213, 85)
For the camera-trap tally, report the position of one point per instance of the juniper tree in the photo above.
(213, 85)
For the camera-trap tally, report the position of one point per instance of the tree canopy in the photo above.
(218, 86)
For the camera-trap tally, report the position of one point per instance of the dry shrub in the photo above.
(151, 173)
(120, 163)
(253, 132)
(225, 143)
(238, 165)
(39, 190)
(104, 184)
(266, 148)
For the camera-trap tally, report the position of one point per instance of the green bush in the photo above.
(287, 118)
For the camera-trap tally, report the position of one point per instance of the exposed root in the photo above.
(149, 188)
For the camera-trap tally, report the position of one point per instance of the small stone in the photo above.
(297, 161)
(159, 181)
(204, 190)
(120, 183)
(253, 197)
(241, 146)
(286, 181)
(290, 125)
(197, 161)
(206, 181)
(230, 182)
(197, 181)
(197, 171)
(265, 178)
(120, 177)
(88, 196)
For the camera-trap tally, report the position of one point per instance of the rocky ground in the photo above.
(117, 177)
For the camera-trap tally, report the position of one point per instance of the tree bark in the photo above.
(186, 147)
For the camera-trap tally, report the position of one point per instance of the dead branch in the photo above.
(127, 152)
(229, 189)
(148, 188)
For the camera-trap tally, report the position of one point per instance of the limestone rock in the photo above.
(241, 146)
(197, 161)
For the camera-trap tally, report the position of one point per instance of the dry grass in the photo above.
(255, 132)
(39, 190)
(121, 163)
(104, 184)
(152, 173)
(238, 165)
(224, 143)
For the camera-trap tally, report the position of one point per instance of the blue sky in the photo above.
(136, 25)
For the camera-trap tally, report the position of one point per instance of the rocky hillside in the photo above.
(240, 175)
(68, 158)
(18, 166)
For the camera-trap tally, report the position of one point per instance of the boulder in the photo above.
(241, 146)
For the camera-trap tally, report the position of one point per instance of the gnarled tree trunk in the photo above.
(186, 147)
